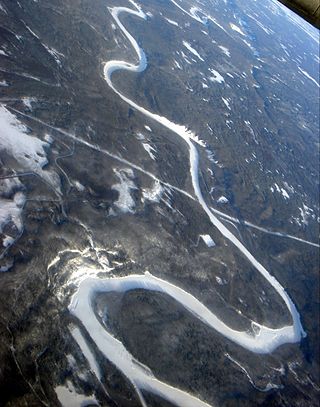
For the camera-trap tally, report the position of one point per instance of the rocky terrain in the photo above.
(159, 207)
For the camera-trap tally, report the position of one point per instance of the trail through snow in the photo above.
(269, 232)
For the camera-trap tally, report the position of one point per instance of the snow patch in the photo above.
(305, 213)
(3, 9)
(56, 54)
(150, 150)
(153, 194)
(192, 50)
(216, 76)
(30, 31)
(28, 151)
(124, 203)
(172, 22)
(237, 29)
(281, 190)
(226, 102)
(285, 193)
(308, 76)
(248, 124)
(225, 50)
(208, 240)
(11, 211)
(27, 101)
(79, 186)
(186, 58)
(7, 241)
(177, 64)
(220, 281)
(68, 397)
(222, 200)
